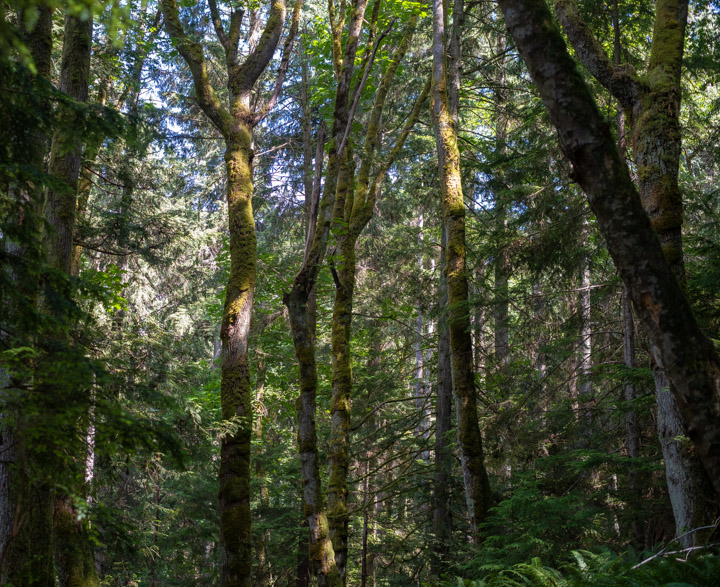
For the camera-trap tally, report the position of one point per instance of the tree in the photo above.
(236, 122)
(474, 474)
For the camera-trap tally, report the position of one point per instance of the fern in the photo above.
(599, 569)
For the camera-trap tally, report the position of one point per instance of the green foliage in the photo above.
(605, 568)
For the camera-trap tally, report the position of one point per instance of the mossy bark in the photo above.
(469, 438)
(321, 554)
(235, 389)
(355, 199)
(301, 310)
(679, 345)
(442, 519)
(26, 556)
(657, 144)
(74, 556)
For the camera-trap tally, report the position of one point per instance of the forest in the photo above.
(359, 292)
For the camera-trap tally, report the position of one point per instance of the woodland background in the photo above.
(110, 369)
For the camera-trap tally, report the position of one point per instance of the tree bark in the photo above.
(442, 519)
(25, 511)
(470, 441)
(302, 319)
(74, 556)
(678, 343)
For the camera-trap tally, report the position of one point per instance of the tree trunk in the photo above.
(657, 146)
(470, 441)
(25, 522)
(652, 104)
(442, 519)
(338, 452)
(235, 388)
(631, 426)
(236, 123)
(586, 388)
(74, 557)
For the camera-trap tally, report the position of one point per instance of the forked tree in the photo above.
(236, 120)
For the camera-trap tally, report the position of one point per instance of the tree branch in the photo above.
(678, 343)
(361, 87)
(219, 29)
(282, 70)
(244, 78)
(397, 147)
(192, 53)
(620, 80)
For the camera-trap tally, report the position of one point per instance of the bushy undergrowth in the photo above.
(605, 568)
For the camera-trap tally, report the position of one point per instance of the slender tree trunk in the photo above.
(442, 520)
(632, 431)
(422, 390)
(354, 206)
(338, 452)
(585, 389)
(470, 441)
(326, 562)
(75, 561)
(25, 511)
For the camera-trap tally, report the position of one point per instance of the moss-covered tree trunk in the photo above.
(471, 453)
(652, 104)
(339, 449)
(657, 145)
(300, 299)
(354, 207)
(236, 122)
(679, 345)
(235, 387)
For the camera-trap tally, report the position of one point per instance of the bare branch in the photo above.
(192, 53)
(282, 70)
(361, 87)
(217, 23)
(620, 80)
(243, 80)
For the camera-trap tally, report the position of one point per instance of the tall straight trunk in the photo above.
(502, 260)
(442, 519)
(299, 301)
(471, 453)
(235, 387)
(338, 453)
(25, 515)
(236, 122)
(74, 556)
(632, 431)
(677, 342)
(422, 389)
(585, 389)
(652, 105)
